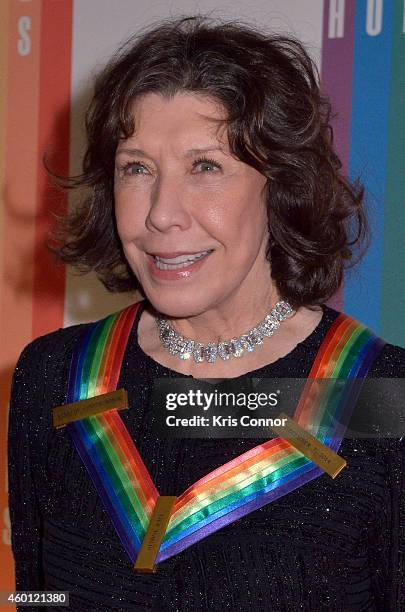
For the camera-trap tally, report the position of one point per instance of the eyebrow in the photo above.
(188, 153)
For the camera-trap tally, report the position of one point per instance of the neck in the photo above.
(228, 319)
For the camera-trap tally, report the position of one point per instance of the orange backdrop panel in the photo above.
(34, 118)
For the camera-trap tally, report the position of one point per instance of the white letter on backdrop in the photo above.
(336, 26)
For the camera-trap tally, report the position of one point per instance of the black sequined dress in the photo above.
(331, 545)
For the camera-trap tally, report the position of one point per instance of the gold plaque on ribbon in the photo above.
(114, 400)
(310, 446)
(145, 562)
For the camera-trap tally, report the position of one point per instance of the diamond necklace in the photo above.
(184, 348)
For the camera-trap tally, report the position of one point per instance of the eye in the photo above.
(131, 168)
(207, 164)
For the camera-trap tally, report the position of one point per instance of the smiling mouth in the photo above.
(179, 261)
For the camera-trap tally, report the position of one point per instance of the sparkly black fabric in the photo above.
(332, 545)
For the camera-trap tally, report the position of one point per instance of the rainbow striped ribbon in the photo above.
(240, 486)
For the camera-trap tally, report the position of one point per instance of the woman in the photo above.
(216, 192)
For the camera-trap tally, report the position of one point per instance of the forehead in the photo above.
(184, 119)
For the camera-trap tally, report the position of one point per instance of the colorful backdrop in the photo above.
(49, 51)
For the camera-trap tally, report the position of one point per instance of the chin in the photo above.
(177, 303)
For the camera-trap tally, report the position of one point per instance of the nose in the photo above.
(167, 205)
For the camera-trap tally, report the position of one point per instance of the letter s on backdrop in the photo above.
(24, 42)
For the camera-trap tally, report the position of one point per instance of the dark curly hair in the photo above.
(277, 121)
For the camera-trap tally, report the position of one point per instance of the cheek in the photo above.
(126, 217)
(119, 210)
(240, 214)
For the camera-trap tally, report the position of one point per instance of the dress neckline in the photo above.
(346, 348)
(312, 341)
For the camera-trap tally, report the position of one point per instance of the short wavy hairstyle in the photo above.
(277, 121)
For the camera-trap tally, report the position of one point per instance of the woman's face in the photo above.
(178, 194)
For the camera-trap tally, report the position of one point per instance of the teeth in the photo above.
(181, 261)
(181, 258)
